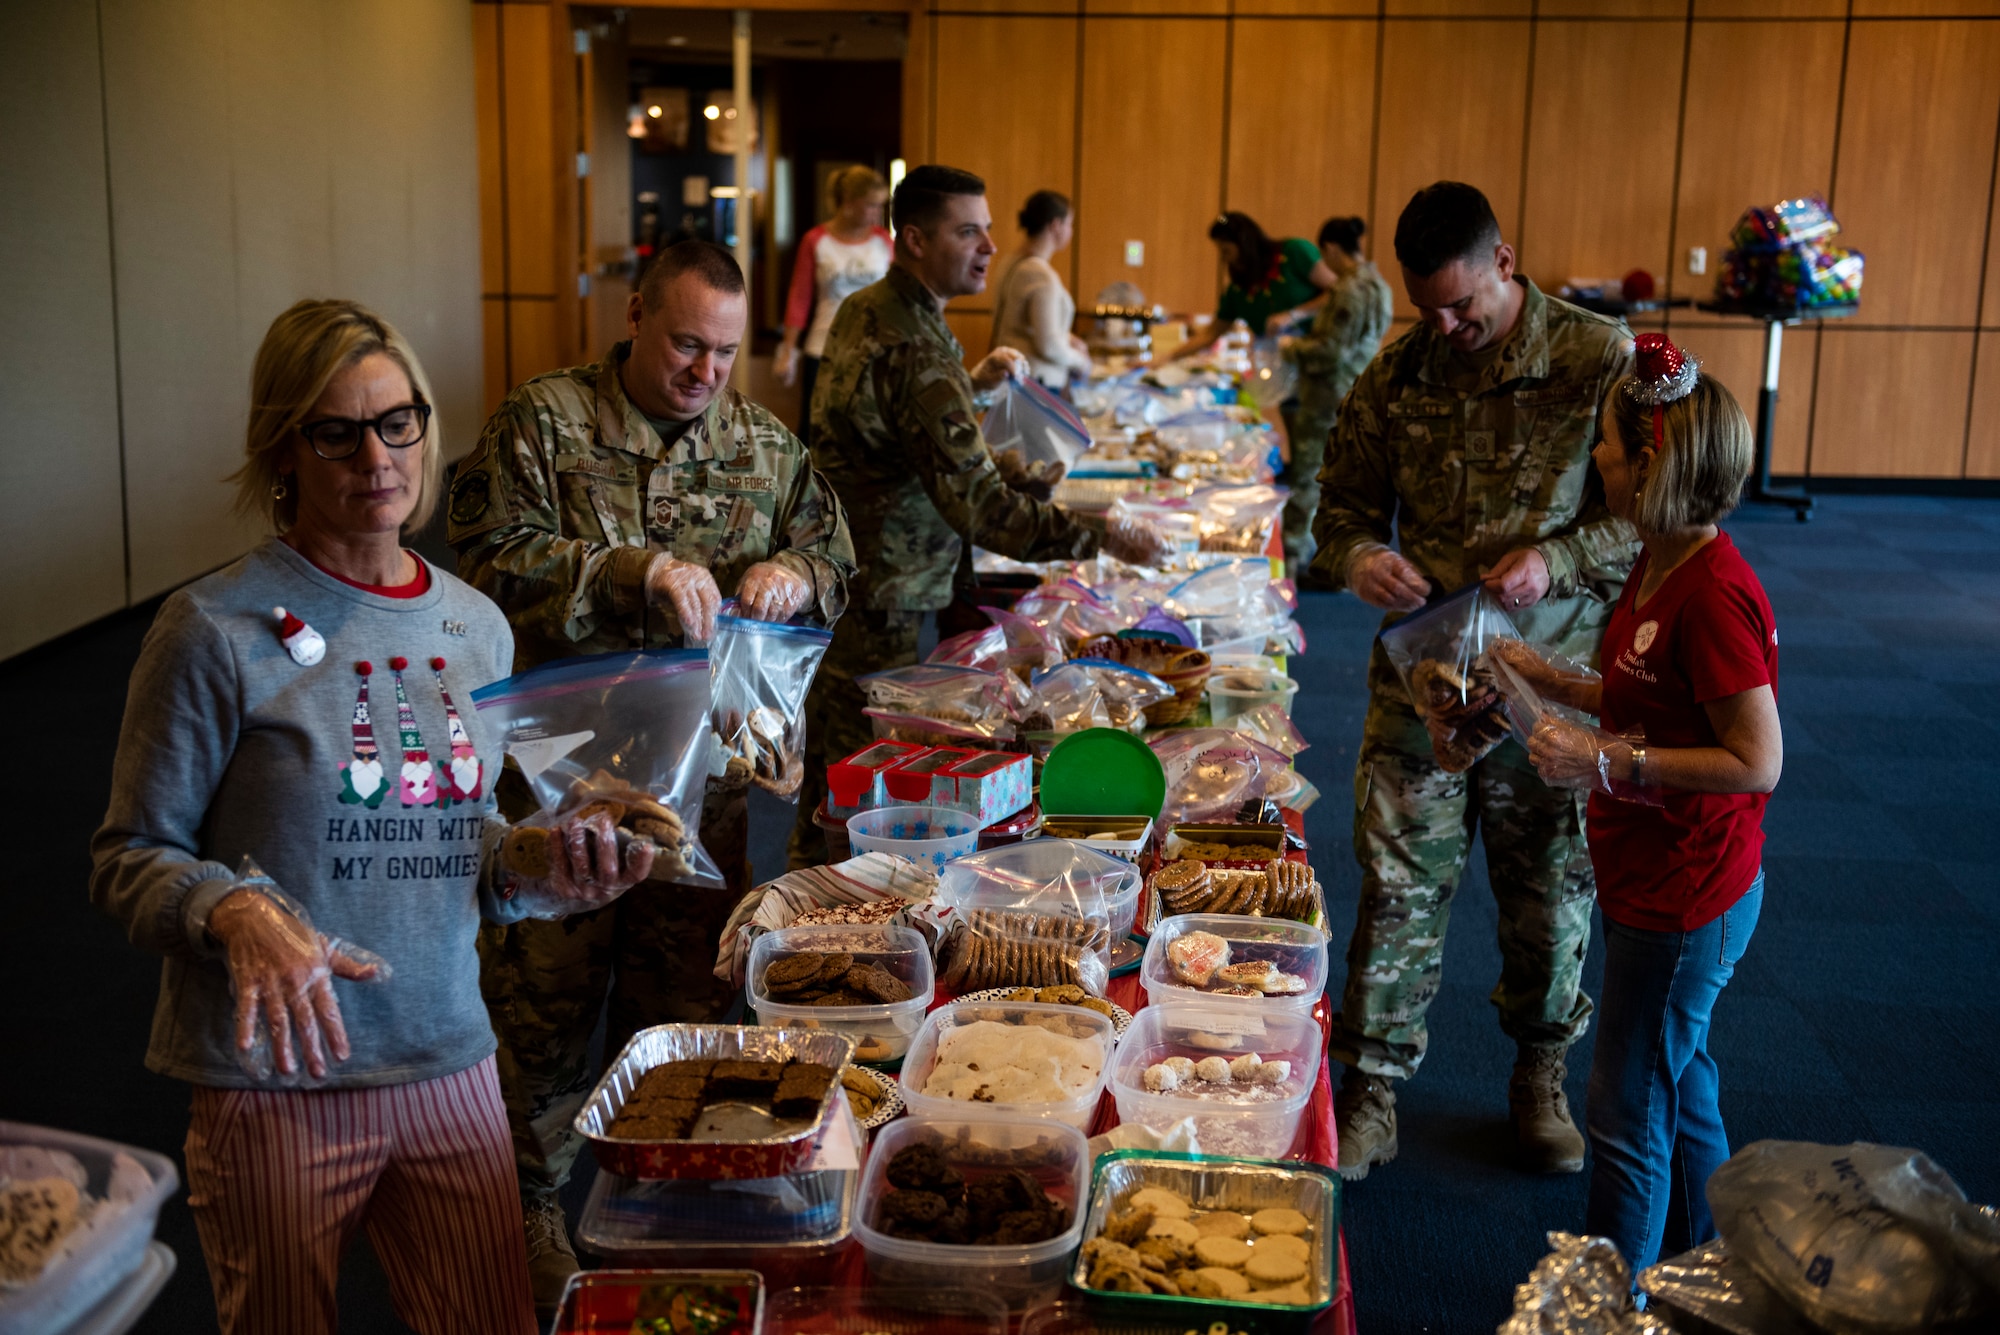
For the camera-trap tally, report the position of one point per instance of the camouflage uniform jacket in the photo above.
(1471, 462)
(571, 492)
(1343, 340)
(897, 434)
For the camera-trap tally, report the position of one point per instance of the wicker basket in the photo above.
(1186, 670)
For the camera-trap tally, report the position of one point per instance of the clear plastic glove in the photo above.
(690, 590)
(1138, 542)
(1037, 479)
(772, 591)
(282, 973)
(996, 366)
(587, 866)
(1384, 578)
(785, 364)
(1572, 755)
(1554, 679)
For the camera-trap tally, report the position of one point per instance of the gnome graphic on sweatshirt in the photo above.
(362, 782)
(462, 772)
(418, 785)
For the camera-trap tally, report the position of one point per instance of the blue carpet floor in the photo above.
(1866, 1008)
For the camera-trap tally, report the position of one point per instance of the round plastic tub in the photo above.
(1021, 1275)
(1240, 690)
(1293, 947)
(1072, 1021)
(882, 1031)
(1240, 1119)
(928, 836)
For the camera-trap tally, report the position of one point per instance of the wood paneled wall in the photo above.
(1610, 135)
(176, 173)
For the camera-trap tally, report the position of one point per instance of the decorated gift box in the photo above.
(990, 785)
(855, 784)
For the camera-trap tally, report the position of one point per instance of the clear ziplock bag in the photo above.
(1036, 913)
(1271, 380)
(1861, 1239)
(1240, 519)
(1440, 653)
(1516, 666)
(1096, 693)
(1028, 418)
(941, 704)
(1213, 771)
(1013, 643)
(628, 731)
(1236, 605)
(759, 673)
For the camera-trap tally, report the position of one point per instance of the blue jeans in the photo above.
(1655, 1126)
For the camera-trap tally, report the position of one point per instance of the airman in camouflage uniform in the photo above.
(559, 515)
(896, 430)
(1342, 341)
(1480, 459)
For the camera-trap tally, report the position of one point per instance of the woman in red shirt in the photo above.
(1690, 678)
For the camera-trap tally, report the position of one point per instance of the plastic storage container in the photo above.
(890, 1311)
(1239, 690)
(1293, 946)
(1243, 1118)
(928, 836)
(1073, 1021)
(881, 1033)
(792, 1230)
(1057, 1156)
(115, 1245)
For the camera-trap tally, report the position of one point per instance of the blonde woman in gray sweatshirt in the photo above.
(261, 820)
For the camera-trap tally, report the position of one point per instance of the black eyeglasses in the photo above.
(339, 437)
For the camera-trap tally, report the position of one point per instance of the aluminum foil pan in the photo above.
(753, 1143)
(1246, 1185)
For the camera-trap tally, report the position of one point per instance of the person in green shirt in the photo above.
(1271, 283)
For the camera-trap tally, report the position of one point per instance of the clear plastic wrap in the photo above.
(1212, 771)
(1027, 418)
(1273, 727)
(759, 673)
(1095, 693)
(1440, 653)
(1582, 1287)
(1033, 914)
(1710, 1286)
(624, 732)
(941, 704)
(1860, 1239)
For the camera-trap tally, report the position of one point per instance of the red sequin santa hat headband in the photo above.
(1662, 373)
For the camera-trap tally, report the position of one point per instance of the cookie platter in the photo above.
(752, 1122)
(1248, 1201)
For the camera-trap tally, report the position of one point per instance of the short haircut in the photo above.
(715, 266)
(1443, 222)
(1044, 209)
(855, 182)
(1697, 478)
(303, 350)
(1346, 233)
(920, 199)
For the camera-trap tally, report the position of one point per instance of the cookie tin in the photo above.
(758, 1145)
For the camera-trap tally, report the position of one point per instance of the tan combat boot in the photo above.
(1364, 1111)
(1546, 1138)
(551, 1259)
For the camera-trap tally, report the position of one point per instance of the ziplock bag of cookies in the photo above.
(1440, 653)
(1213, 771)
(1238, 603)
(759, 673)
(1012, 643)
(944, 702)
(1096, 693)
(1043, 432)
(626, 734)
(1032, 914)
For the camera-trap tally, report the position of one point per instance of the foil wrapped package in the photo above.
(1582, 1287)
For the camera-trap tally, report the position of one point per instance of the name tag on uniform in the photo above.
(1421, 408)
(587, 466)
(1547, 394)
(1479, 444)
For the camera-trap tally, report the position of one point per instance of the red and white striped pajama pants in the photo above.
(279, 1180)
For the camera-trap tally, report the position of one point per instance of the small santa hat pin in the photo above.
(302, 642)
